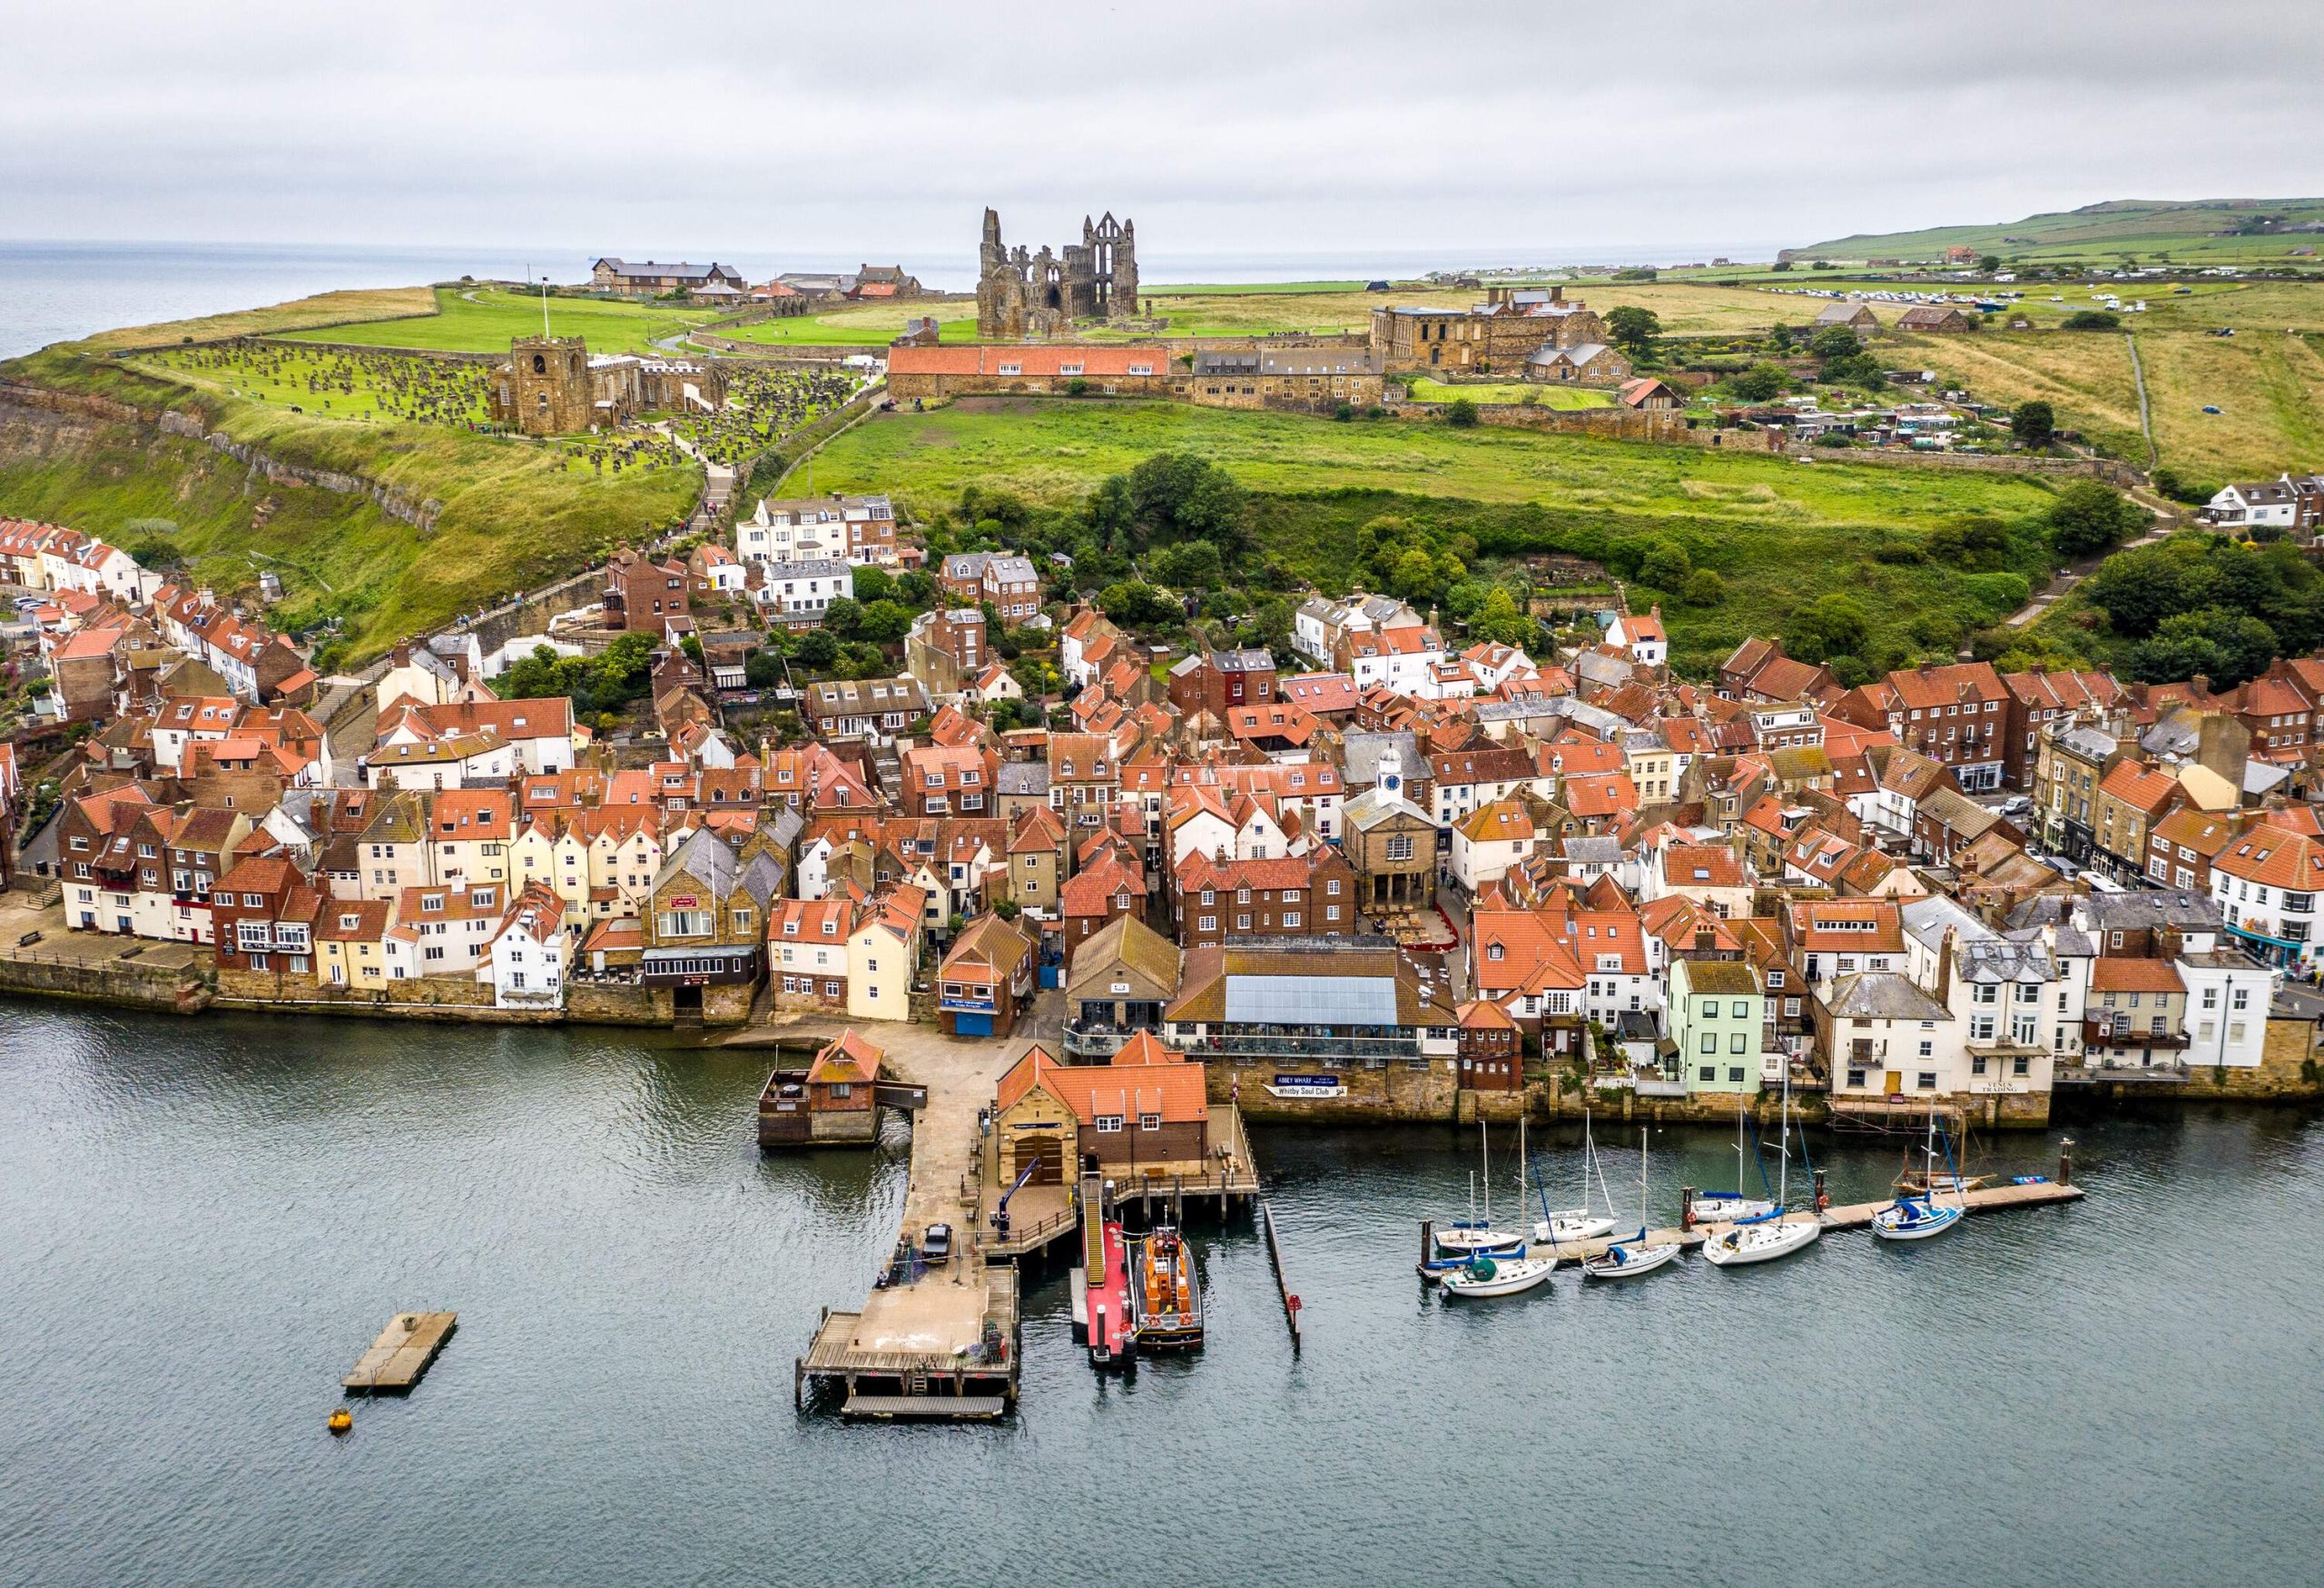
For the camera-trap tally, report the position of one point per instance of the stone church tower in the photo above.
(546, 389)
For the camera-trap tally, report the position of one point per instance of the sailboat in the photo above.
(1467, 1237)
(1578, 1223)
(1626, 1259)
(1488, 1273)
(1772, 1235)
(1916, 1217)
(1731, 1207)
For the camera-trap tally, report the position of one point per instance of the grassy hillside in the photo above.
(483, 319)
(2141, 227)
(1777, 532)
(511, 515)
(324, 309)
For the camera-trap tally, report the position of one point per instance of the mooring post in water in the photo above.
(2065, 1160)
(1823, 1200)
(1686, 1207)
(1427, 1238)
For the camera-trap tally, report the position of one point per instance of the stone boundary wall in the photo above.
(2105, 469)
(300, 344)
(109, 981)
(1618, 424)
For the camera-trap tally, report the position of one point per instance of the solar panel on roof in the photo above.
(1312, 1000)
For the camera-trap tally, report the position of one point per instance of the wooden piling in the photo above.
(1281, 1284)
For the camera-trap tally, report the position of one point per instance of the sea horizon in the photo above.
(56, 290)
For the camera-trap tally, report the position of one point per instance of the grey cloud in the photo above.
(1226, 128)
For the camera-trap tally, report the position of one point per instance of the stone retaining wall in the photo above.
(108, 982)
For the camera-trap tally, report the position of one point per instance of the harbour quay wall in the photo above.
(117, 982)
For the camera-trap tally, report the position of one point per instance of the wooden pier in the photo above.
(402, 1354)
(2040, 1193)
(1291, 1306)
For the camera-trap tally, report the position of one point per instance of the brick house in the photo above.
(2043, 696)
(948, 780)
(1489, 1048)
(1108, 885)
(1950, 714)
(643, 594)
(1146, 1108)
(1212, 681)
(264, 912)
(806, 952)
(1309, 896)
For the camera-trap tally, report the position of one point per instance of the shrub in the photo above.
(2090, 515)
(1900, 552)
(1344, 412)
(1077, 387)
(1461, 413)
(1705, 588)
(2091, 320)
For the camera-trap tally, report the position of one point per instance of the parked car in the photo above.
(936, 1244)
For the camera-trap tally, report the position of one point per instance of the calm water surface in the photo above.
(202, 1224)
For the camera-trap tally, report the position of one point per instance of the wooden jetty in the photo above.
(402, 1354)
(2038, 1193)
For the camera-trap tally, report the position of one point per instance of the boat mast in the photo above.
(1783, 1148)
(1485, 1157)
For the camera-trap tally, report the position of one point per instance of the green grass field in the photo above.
(1777, 532)
(866, 325)
(1424, 389)
(484, 319)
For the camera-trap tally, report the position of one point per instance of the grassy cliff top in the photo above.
(2140, 226)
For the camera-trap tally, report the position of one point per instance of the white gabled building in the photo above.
(525, 962)
(798, 594)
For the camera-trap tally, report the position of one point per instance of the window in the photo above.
(1741, 1011)
(2021, 1065)
(1977, 1065)
(1855, 1077)
(1107, 1124)
(1739, 1042)
(1710, 1041)
(1734, 1075)
(1399, 847)
(1926, 1080)
(1206, 924)
(1710, 1072)
(1290, 920)
(1149, 1122)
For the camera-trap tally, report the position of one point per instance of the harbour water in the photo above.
(202, 1223)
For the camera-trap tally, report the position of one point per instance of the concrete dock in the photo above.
(936, 1342)
(402, 1354)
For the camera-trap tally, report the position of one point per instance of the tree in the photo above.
(1180, 494)
(1192, 565)
(2227, 647)
(2089, 517)
(2034, 425)
(762, 669)
(1460, 412)
(1759, 383)
(692, 646)
(1989, 263)
(1413, 577)
(1135, 604)
(1828, 627)
(1667, 565)
(1835, 341)
(2091, 320)
(1633, 330)
(1705, 588)
(875, 584)
(1974, 543)
(882, 623)
(1499, 620)
(818, 650)
(843, 616)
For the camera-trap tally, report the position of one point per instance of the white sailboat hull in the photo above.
(1463, 1240)
(1728, 1209)
(1760, 1243)
(1510, 1277)
(1571, 1224)
(1633, 1261)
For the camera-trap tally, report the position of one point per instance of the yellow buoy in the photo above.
(342, 1421)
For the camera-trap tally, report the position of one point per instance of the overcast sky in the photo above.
(879, 130)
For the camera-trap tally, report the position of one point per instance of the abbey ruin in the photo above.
(1021, 294)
